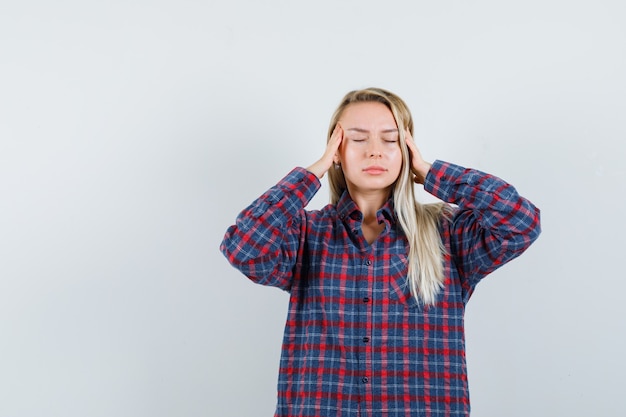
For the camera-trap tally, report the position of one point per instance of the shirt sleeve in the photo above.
(492, 224)
(264, 241)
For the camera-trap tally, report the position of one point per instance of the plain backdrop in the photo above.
(133, 132)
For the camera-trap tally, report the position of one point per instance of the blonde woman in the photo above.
(378, 282)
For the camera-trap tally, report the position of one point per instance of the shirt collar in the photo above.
(348, 210)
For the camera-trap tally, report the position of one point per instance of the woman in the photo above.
(378, 283)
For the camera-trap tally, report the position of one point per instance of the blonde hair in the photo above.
(419, 222)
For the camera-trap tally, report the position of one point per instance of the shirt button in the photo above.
(365, 379)
(366, 339)
(368, 262)
(366, 299)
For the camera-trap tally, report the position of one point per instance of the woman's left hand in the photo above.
(419, 167)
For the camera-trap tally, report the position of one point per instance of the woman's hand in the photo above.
(320, 167)
(419, 167)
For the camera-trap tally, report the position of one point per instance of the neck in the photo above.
(369, 202)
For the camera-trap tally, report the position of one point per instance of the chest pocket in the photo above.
(397, 282)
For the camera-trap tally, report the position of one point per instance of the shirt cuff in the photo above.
(299, 182)
(441, 179)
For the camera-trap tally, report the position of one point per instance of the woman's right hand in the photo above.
(331, 154)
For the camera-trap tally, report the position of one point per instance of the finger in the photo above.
(332, 150)
(338, 131)
(336, 137)
(409, 137)
(410, 143)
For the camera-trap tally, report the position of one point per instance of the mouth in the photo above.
(375, 170)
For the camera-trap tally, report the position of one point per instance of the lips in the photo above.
(375, 169)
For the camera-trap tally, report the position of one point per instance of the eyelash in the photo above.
(386, 140)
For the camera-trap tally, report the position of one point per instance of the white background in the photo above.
(133, 132)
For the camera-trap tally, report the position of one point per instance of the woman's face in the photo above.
(370, 151)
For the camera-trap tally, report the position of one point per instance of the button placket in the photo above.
(366, 287)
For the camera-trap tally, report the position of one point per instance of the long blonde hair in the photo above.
(419, 222)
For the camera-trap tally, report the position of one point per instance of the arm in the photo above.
(264, 241)
(493, 223)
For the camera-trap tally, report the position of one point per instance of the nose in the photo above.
(374, 152)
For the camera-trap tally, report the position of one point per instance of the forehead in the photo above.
(368, 116)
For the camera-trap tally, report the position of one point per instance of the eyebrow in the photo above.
(360, 130)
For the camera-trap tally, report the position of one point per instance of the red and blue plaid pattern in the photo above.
(356, 342)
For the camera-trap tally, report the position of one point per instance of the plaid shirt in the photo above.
(356, 342)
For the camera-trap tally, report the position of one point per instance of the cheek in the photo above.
(395, 157)
(348, 152)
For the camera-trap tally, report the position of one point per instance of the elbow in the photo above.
(528, 231)
(524, 232)
(535, 225)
